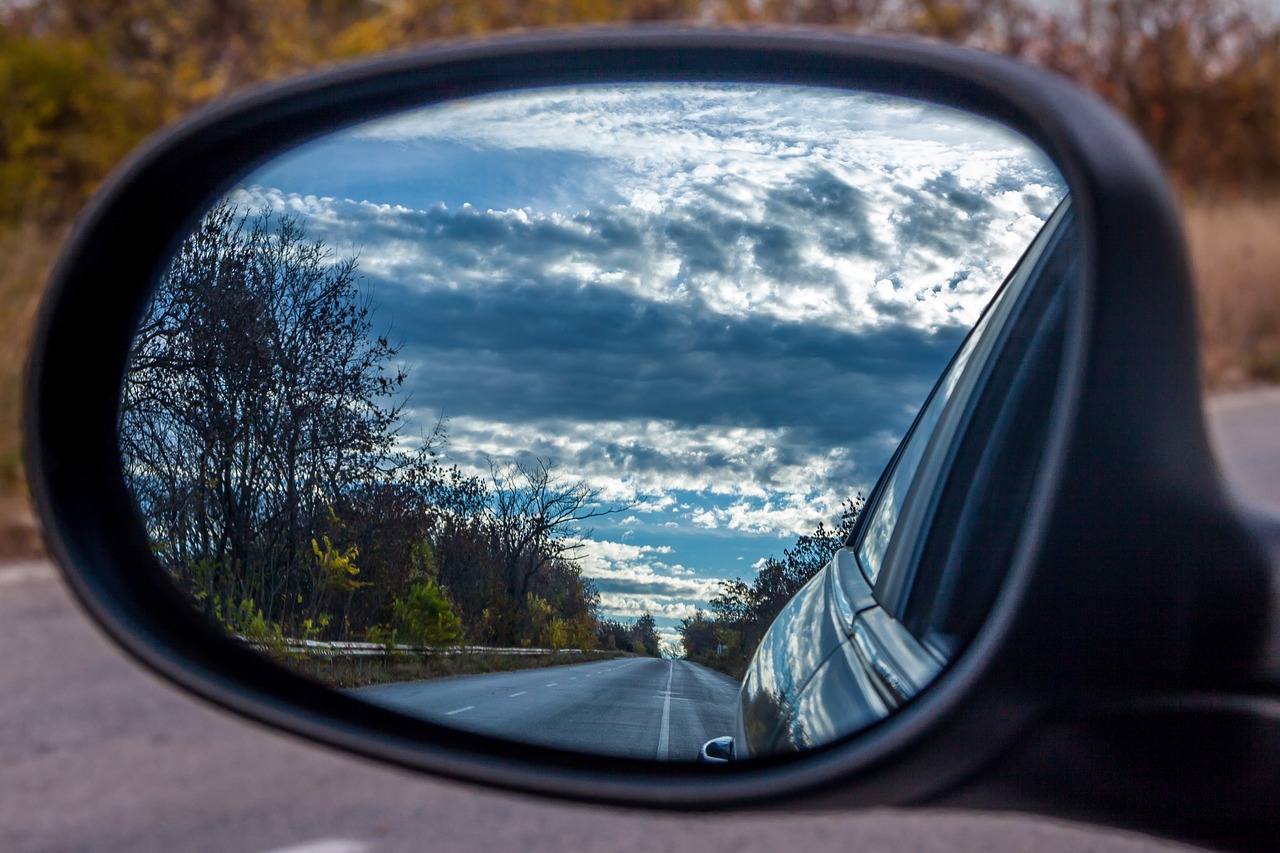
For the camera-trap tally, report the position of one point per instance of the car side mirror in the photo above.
(718, 750)
(1044, 591)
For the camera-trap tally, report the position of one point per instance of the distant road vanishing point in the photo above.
(626, 707)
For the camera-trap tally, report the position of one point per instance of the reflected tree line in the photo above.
(261, 432)
(727, 636)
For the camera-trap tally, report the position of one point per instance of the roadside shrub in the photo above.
(425, 617)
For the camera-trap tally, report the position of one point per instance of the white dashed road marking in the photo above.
(664, 734)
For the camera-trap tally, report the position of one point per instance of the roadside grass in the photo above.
(1235, 253)
(344, 672)
(735, 668)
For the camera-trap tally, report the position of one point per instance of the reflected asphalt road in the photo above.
(635, 707)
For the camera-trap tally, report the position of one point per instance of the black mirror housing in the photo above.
(1137, 607)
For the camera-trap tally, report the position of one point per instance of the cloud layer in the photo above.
(721, 304)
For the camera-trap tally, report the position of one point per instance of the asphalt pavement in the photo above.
(1245, 430)
(98, 755)
(633, 707)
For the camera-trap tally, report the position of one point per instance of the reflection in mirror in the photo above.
(528, 414)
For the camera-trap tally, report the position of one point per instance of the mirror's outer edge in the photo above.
(1135, 258)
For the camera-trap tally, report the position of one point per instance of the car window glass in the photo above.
(937, 423)
(879, 530)
(968, 545)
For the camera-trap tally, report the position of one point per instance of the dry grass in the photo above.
(340, 672)
(26, 255)
(1235, 251)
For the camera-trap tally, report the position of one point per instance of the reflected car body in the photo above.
(806, 683)
(878, 624)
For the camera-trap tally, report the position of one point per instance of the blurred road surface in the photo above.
(97, 755)
(1245, 429)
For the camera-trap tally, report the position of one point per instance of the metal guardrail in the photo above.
(362, 650)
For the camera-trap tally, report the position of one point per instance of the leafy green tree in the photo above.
(613, 634)
(700, 636)
(245, 619)
(747, 610)
(68, 118)
(425, 617)
(644, 636)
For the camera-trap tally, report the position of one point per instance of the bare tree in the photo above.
(533, 513)
(258, 399)
(260, 432)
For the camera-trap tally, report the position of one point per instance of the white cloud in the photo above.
(633, 606)
(641, 464)
(794, 514)
(619, 566)
(722, 166)
(739, 207)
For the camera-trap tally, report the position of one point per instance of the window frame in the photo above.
(894, 579)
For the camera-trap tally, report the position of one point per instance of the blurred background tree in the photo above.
(85, 80)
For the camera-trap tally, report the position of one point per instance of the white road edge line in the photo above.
(325, 845)
(664, 734)
(458, 711)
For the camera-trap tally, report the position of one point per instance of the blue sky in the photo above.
(719, 305)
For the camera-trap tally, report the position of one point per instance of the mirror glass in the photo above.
(529, 413)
